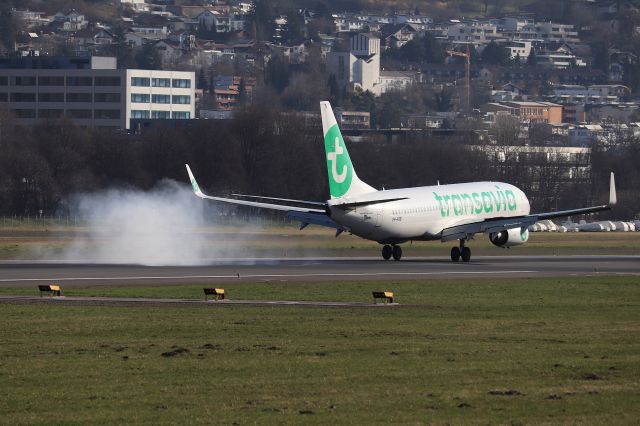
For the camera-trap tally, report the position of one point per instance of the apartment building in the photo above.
(93, 92)
(473, 31)
(530, 112)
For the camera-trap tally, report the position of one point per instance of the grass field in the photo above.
(472, 351)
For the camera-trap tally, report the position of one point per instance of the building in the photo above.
(32, 19)
(93, 92)
(473, 31)
(70, 22)
(137, 5)
(592, 94)
(518, 49)
(353, 119)
(229, 89)
(359, 68)
(530, 112)
(397, 35)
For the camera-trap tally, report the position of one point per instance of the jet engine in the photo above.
(509, 238)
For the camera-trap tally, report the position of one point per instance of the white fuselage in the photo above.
(426, 211)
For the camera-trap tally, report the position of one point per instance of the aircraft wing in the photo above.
(488, 226)
(316, 204)
(305, 215)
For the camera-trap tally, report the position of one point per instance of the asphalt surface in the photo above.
(28, 274)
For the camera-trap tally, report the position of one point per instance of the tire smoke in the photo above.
(127, 226)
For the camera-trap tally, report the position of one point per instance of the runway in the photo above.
(28, 273)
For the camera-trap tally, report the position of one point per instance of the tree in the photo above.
(148, 58)
(601, 60)
(202, 81)
(420, 49)
(532, 60)
(495, 54)
(334, 89)
(443, 100)
(295, 27)
(207, 33)
(631, 76)
(277, 73)
(9, 25)
(242, 93)
(262, 18)
(517, 59)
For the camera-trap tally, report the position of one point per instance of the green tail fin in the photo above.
(343, 180)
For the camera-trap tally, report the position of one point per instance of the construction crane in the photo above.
(467, 75)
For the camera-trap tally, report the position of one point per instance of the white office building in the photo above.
(93, 92)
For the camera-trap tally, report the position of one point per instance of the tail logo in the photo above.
(332, 157)
(339, 166)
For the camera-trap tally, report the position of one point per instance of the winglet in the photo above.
(194, 184)
(613, 199)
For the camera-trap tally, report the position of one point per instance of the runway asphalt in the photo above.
(27, 273)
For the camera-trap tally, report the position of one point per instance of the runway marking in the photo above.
(237, 276)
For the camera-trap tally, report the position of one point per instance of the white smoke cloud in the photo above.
(156, 227)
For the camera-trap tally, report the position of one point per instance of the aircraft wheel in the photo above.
(387, 251)
(466, 254)
(455, 254)
(397, 252)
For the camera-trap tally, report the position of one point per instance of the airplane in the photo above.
(392, 217)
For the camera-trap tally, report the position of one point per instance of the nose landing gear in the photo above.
(394, 250)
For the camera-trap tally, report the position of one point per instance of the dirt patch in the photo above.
(211, 346)
(176, 351)
(507, 392)
(592, 376)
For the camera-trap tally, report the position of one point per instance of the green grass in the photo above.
(575, 339)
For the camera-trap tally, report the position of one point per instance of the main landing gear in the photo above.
(461, 252)
(394, 250)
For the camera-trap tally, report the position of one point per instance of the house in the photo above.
(229, 91)
(585, 134)
(418, 22)
(136, 5)
(135, 39)
(561, 58)
(397, 35)
(518, 49)
(71, 21)
(95, 36)
(215, 21)
(296, 54)
(32, 19)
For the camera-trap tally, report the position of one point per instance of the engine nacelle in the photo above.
(510, 238)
